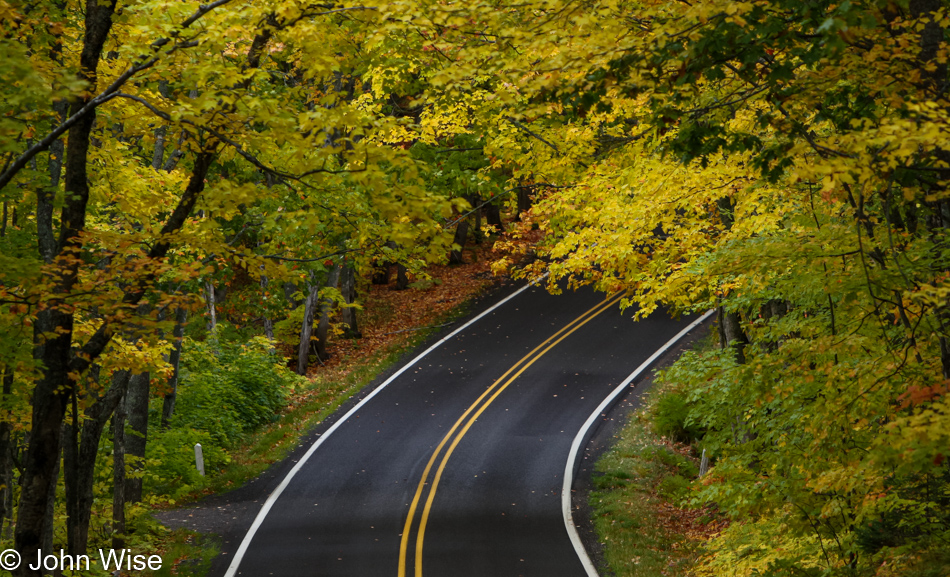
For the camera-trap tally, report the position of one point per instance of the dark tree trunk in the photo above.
(58, 148)
(80, 463)
(381, 273)
(461, 233)
(48, 546)
(474, 200)
(524, 199)
(46, 239)
(50, 399)
(268, 323)
(118, 473)
(726, 211)
(402, 277)
(174, 359)
(306, 328)
(348, 289)
(382, 266)
(773, 309)
(137, 437)
(6, 449)
(323, 326)
(731, 334)
(493, 216)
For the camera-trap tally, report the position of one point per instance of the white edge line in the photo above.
(272, 498)
(576, 445)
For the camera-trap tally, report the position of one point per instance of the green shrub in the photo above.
(674, 488)
(171, 460)
(227, 388)
(677, 463)
(670, 415)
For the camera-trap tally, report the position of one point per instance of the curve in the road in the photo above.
(585, 430)
(520, 367)
(498, 506)
(272, 498)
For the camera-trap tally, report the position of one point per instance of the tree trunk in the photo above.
(382, 267)
(50, 398)
(46, 239)
(348, 314)
(731, 334)
(80, 463)
(268, 323)
(493, 216)
(461, 233)
(174, 359)
(474, 200)
(209, 301)
(136, 404)
(290, 289)
(306, 328)
(47, 547)
(402, 277)
(6, 440)
(326, 305)
(118, 474)
(176, 154)
(524, 199)
(726, 211)
(58, 148)
(381, 273)
(7, 529)
(158, 154)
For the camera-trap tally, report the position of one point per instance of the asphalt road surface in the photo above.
(454, 468)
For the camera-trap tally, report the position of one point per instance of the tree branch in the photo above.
(106, 95)
(237, 147)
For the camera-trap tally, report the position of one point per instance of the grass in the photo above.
(188, 553)
(638, 485)
(641, 486)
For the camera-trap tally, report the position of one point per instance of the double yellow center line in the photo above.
(465, 422)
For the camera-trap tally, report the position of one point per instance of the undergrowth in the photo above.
(253, 450)
(638, 488)
(643, 485)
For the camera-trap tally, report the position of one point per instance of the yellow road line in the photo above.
(407, 528)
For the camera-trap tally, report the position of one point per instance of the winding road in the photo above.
(454, 466)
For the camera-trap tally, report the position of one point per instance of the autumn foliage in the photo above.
(783, 162)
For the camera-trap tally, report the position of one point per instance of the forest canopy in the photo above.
(783, 162)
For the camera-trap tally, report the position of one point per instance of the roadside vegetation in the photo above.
(305, 402)
(196, 190)
(643, 486)
(640, 487)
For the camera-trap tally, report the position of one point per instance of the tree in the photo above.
(783, 162)
(242, 88)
